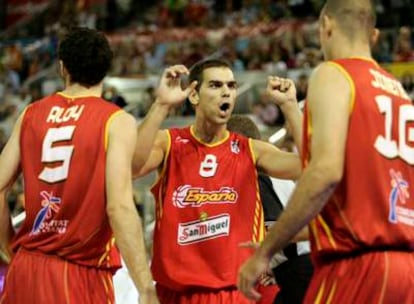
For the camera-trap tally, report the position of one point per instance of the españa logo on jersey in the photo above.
(43, 221)
(188, 196)
(203, 230)
(399, 194)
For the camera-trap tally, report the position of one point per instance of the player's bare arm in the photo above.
(156, 157)
(169, 94)
(283, 93)
(318, 181)
(121, 210)
(9, 170)
(275, 162)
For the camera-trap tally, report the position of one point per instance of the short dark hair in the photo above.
(86, 55)
(196, 71)
(243, 125)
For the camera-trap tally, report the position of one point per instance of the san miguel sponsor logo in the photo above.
(188, 196)
(200, 231)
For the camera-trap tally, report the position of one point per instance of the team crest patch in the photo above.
(398, 197)
(234, 146)
(43, 222)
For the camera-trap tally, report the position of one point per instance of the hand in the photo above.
(148, 297)
(249, 274)
(169, 91)
(282, 91)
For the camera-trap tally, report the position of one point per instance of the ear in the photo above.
(193, 97)
(62, 70)
(327, 25)
(374, 37)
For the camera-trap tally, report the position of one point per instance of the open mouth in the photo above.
(224, 107)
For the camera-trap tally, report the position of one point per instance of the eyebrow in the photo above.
(218, 82)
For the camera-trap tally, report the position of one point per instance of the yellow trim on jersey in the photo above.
(206, 144)
(327, 231)
(258, 220)
(75, 97)
(320, 293)
(108, 248)
(252, 150)
(161, 173)
(331, 293)
(108, 122)
(163, 168)
(65, 281)
(385, 280)
(372, 60)
(350, 81)
(315, 233)
(345, 219)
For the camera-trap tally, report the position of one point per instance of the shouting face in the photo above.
(216, 97)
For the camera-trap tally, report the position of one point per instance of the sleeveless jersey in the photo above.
(372, 207)
(63, 153)
(207, 202)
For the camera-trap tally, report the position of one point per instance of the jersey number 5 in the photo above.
(386, 145)
(56, 154)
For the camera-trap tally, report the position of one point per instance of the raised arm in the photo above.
(275, 162)
(9, 170)
(283, 93)
(168, 95)
(319, 179)
(123, 216)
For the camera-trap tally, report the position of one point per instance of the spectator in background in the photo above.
(111, 94)
(407, 80)
(301, 87)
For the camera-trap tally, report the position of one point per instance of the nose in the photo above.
(226, 90)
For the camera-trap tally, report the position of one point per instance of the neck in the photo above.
(347, 49)
(209, 133)
(77, 90)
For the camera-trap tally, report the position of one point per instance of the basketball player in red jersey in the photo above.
(356, 189)
(207, 198)
(75, 152)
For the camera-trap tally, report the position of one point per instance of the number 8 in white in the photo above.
(51, 154)
(385, 144)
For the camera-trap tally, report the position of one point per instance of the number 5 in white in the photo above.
(51, 154)
(386, 145)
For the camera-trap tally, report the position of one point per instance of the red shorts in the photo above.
(228, 296)
(374, 277)
(268, 293)
(37, 278)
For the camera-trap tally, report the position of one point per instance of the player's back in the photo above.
(372, 206)
(63, 150)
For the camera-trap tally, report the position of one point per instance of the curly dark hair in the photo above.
(86, 55)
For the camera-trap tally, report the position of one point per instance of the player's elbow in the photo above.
(328, 172)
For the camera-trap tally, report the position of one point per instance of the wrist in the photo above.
(263, 254)
(161, 107)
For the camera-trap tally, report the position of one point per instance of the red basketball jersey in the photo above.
(372, 207)
(207, 202)
(63, 153)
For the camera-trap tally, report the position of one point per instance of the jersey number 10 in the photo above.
(386, 145)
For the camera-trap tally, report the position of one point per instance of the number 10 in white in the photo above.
(386, 145)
